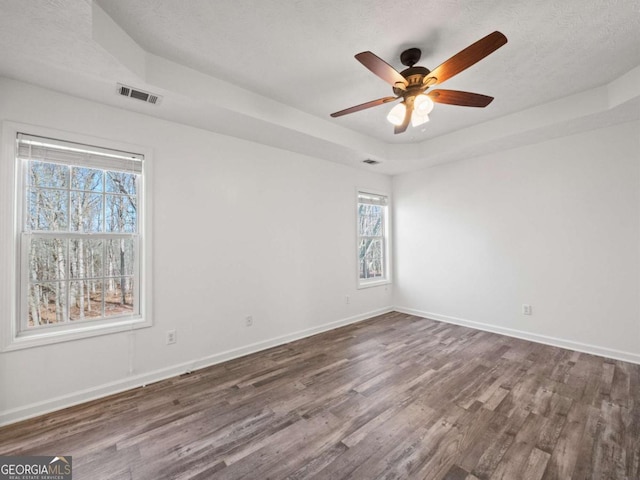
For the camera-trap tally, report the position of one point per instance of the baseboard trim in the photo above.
(534, 337)
(40, 408)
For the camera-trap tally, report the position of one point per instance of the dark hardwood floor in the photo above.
(395, 396)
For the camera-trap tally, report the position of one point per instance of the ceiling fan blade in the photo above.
(456, 97)
(407, 118)
(467, 57)
(363, 106)
(382, 69)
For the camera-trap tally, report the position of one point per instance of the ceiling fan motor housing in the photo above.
(414, 77)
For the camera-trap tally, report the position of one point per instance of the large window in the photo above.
(80, 213)
(373, 263)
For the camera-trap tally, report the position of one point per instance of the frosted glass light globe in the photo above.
(422, 104)
(417, 119)
(397, 113)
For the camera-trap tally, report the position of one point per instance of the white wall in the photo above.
(238, 229)
(555, 225)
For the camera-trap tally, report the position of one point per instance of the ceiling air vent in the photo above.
(370, 162)
(148, 97)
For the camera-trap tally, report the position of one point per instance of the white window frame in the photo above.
(12, 259)
(386, 278)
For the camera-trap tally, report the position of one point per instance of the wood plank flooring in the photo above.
(395, 396)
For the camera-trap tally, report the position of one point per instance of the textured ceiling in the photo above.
(299, 54)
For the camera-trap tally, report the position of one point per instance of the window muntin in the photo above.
(80, 239)
(372, 238)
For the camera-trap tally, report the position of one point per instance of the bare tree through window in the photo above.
(372, 261)
(80, 233)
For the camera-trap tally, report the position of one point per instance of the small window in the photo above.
(373, 262)
(80, 238)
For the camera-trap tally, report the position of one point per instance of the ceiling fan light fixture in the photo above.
(411, 84)
(418, 119)
(396, 114)
(422, 104)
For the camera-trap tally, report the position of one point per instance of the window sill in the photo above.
(374, 283)
(53, 336)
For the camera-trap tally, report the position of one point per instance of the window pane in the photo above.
(370, 220)
(86, 212)
(47, 259)
(80, 223)
(85, 299)
(120, 182)
(121, 214)
(86, 258)
(120, 257)
(48, 210)
(87, 179)
(42, 174)
(371, 258)
(47, 303)
(118, 296)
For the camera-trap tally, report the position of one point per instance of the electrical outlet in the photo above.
(347, 299)
(248, 321)
(171, 337)
(526, 309)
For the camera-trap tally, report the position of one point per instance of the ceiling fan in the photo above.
(411, 84)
